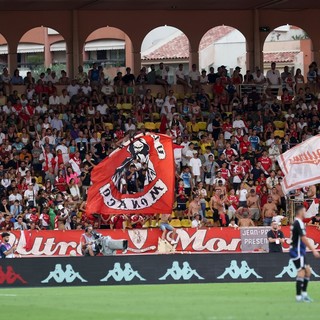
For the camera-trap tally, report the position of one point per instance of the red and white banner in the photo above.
(313, 209)
(114, 175)
(301, 165)
(216, 240)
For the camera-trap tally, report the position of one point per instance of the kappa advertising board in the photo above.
(150, 269)
(211, 240)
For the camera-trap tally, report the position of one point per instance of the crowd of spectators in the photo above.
(231, 129)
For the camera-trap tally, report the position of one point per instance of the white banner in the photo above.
(301, 165)
(313, 209)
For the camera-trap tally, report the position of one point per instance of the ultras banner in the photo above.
(53, 243)
(300, 165)
(114, 187)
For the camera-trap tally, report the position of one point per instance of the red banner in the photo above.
(114, 189)
(52, 243)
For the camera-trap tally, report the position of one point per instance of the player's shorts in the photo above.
(181, 206)
(255, 214)
(166, 226)
(300, 263)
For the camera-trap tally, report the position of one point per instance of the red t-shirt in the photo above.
(117, 221)
(266, 163)
(244, 146)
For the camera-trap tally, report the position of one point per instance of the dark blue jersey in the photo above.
(297, 248)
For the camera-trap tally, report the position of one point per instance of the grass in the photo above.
(245, 301)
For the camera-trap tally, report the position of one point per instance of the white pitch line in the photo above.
(7, 295)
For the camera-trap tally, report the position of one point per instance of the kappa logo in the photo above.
(138, 150)
(178, 273)
(59, 275)
(10, 276)
(118, 274)
(139, 238)
(291, 271)
(235, 272)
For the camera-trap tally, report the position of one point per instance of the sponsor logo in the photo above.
(177, 273)
(59, 275)
(139, 238)
(291, 271)
(155, 188)
(10, 276)
(236, 272)
(118, 274)
(306, 158)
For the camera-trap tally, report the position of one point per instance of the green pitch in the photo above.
(184, 301)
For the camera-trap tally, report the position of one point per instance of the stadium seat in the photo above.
(279, 124)
(176, 223)
(140, 125)
(126, 106)
(154, 223)
(202, 125)
(186, 223)
(119, 106)
(150, 126)
(146, 225)
(279, 133)
(209, 213)
(156, 116)
(109, 125)
(157, 125)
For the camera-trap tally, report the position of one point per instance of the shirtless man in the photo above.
(194, 207)
(217, 205)
(275, 197)
(283, 204)
(311, 192)
(269, 210)
(253, 203)
(245, 220)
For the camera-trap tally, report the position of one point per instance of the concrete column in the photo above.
(47, 52)
(194, 58)
(257, 47)
(136, 59)
(12, 60)
(75, 56)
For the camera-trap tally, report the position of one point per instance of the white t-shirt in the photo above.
(54, 100)
(30, 195)
(194, 75)
(195, 223)
(242, 194)
(102, 108)
(180, 74)
(195, 164)
(273, 76)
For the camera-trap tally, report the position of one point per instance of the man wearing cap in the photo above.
(30, 196)
(6, 250)
(275, 238)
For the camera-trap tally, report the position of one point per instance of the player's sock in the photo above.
(305, 285)
(299, 286)
(299, 298)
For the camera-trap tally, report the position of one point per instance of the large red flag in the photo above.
(107, 195)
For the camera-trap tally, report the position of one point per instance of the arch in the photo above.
(36, 51)
(223, 45)
(288, 45)
(166, 44)
(110, 47)
(3, 52)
